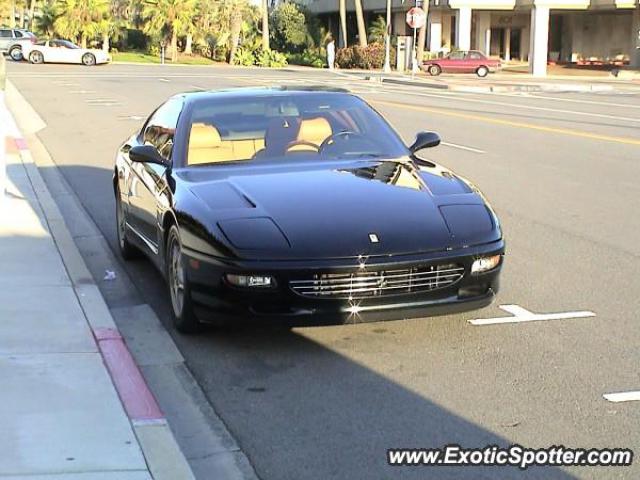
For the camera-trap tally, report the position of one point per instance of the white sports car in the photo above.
(63, 51)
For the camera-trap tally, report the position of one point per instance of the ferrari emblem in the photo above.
(373, 238)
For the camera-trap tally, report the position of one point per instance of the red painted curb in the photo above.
(138, 401)
(21, 143)
(134, 393)
(14, 145)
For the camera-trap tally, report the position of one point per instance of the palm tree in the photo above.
(362, 31)
(343, 21)
(170, 16)
(378, 30)
(32, 11)
(47, 19)
(422, 35)
(81, 19)
(265, 25)
(236, 28)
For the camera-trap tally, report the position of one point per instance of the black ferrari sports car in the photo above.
(300, 206)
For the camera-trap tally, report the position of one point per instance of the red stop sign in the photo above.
(416, 18)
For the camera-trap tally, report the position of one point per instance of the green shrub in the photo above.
(154, 50)
(345, 58)
(369, 57)
(244, 57)
(311, 58)
(270, 58)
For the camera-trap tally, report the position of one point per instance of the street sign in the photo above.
(416, 18)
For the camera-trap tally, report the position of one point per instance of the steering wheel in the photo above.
(294, 147)
(343, 136)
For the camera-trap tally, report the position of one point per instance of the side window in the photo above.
(456, 56)
(475, 56)
(18, 34)
(5, 34)
(161, 127)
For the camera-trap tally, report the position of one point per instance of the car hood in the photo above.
(366, 208)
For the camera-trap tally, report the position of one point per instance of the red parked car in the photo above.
(462, 62)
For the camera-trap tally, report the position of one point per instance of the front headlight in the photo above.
(251, 281)
(485, 264)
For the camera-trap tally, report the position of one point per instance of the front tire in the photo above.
(16, 54)
(36, 57)
(184, 319)
(89, 59)
(482, 72)
(435, 70)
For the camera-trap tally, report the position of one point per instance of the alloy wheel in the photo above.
(16, 54)
(36, 57)
(176, 277)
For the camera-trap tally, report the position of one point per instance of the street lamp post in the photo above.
(387, 41)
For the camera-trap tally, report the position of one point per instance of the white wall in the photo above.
(599, 35)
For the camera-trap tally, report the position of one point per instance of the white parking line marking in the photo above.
(462, 147)
(622, 396)
(523, 315)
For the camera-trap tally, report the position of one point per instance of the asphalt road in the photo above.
(561, 170)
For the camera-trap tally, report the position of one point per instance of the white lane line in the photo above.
(526, 107)
(164, 80)
(523, 315)
(82, 92)
(462, 147)
(574, 100)
(622, 396)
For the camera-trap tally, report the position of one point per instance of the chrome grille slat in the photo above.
(333, 277)
(373, 284)
(363, 284)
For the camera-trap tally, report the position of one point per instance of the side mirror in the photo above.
(147, 154)
(425, 140)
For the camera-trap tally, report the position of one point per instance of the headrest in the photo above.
(204, 136)
(280, 132)
(314, 130)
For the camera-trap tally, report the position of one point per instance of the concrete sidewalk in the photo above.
(73, 403)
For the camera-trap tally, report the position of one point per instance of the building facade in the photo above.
(534, 31)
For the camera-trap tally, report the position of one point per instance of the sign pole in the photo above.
(414, 60)
(416, 19)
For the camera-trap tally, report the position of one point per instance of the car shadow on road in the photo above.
(298, 408)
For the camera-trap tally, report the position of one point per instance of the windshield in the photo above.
(313, 126)
(63, 44)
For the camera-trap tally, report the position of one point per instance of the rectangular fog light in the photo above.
(485, 264)
(250, 281)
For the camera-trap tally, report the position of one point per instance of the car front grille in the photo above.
(364, 284)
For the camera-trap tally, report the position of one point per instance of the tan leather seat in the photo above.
(206, 145)
(312, 131)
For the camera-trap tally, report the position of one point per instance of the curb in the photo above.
(202, 437)
(522, 87)
(159, 447)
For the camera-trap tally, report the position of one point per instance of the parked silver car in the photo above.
(12, 41)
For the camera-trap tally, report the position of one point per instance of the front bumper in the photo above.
(217, 302)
